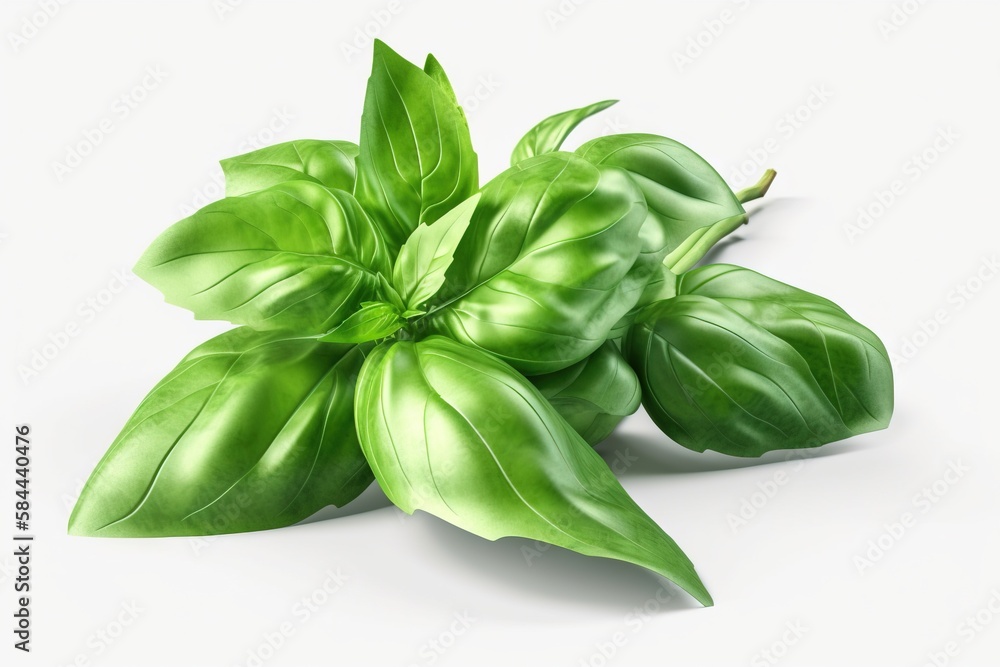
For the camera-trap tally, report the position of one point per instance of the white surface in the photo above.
(210, 603)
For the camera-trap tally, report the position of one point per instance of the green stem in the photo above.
(759, 189)
(692, 250)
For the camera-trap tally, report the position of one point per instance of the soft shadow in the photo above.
(370, 499)
(757, 210)
(658, 455)
(548, 572)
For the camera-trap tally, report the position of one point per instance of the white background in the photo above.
(230, 75)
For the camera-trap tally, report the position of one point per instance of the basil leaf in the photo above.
(294, 256)
(416, 161)
(743, 365)
(594, 395)
(252, 430)
(682, 191)
(549, 135)
(662, 286)
(374, 321)
(459, 434)
(435, 71)
(425, 257)
(329, 163)
(547, 265)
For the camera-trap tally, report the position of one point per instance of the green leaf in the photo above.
(329, 163)
(294, 256)
(373, 322)
(743, 365)
(416, 161)
(420, 267)
(252, 430)
(594, 395)
(682, 191)
(459, 434)
(547, 265)
(549, 135)
(662, 286)
(435, 71)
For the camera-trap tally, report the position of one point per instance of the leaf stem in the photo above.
(698, 244)
(757, 190)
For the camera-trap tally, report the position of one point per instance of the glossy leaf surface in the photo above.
(329, 163)
(295, 256)
(422, 263)
(682, 191)
(416, 161)
(593, 395)
(375, 320)
(547, 265)
(743, 364)
(250, 431)
(459, 434)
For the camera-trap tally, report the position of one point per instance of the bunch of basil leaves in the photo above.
(466, 345)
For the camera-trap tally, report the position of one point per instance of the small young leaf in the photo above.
(742, 364)
(594, 395)
(373, 322)
(436, 71)
(548, 136)
(416, 161)
(295, 256)
(425, 257)
(251, 431)
(329, 163)
(459, 434)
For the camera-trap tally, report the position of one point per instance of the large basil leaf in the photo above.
(594, 395)
(251, 431)
(294, 256)
(547, 265)
(743, 365)
(457, 433)
(683, 192)
(329, 163)
(416, 161)
(548, 136)
(424, 259)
